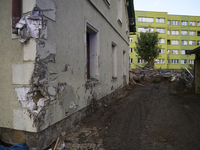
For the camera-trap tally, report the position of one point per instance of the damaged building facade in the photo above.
(58, 56)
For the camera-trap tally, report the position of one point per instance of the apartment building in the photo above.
(177, 33)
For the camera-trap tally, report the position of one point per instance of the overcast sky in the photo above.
(175, 7)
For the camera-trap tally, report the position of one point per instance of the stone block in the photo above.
(32, 140)
(41, 142)
(18, 137)
(30, 50)
(5, 137)
(21, 73)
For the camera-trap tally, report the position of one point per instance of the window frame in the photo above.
(193, 42)
(160, 20)
(183, 23)
(182, 31)
(183, 61)
(176, 22)
(160, 30)
(182, 52)
(148, 19)
(174, 32)
(183, 42)
(191, 23)
(175, 52)
(191, 61)
(175, 61)
(175, 42)
(191, 33)
(92, 52)
(161, 41)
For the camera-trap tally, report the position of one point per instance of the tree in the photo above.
(147, 47)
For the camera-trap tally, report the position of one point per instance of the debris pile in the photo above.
(155, 76)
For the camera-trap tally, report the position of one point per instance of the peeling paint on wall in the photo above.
(30, 25)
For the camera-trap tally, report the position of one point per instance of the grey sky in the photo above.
(175, 7)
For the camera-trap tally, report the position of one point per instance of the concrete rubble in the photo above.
(81, 137)
(153, 75)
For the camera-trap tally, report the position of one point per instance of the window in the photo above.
(107, 2)
(161, 41)
(114, 60)
(168, 61)
(198, 33)
(145, 19)
(191, 61)
(168, 51)
(160, 30)
(160, 20)
(193, 33)
(183, 52)
(120, 11)
(168, 42)
(92, 38)
(140, 61)
(184, 32)
(131, 60)
(175, 32)
(175, 42)
(184, 23)
(198, 23)
(168, 32)
(130, 50)
(183, 61)
(168, 22)
(124, 62)
(191, 42)
(130, 40)
(198, 42)
(192, 23)
(184, 42)
(16, 14)
(162, 51)
(160, 61)
(175, 51)
(175, 22)
(175, 61)
(145, 29)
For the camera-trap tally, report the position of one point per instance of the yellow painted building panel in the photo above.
(173, 26)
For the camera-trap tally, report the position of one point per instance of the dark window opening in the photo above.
(198, 33)
(16, 14)
(92, 53)
(88, 55)
(168, 42)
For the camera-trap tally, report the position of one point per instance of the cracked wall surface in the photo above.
(49, 67)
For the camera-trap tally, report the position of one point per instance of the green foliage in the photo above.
(147, 46)
(191, 66)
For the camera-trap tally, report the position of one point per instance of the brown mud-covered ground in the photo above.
(151, 117)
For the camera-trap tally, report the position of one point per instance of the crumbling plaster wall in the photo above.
(69, 32)
(12, 57)
(55, 66)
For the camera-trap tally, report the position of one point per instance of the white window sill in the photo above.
(120, 22)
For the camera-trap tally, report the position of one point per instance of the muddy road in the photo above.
(150, 117)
